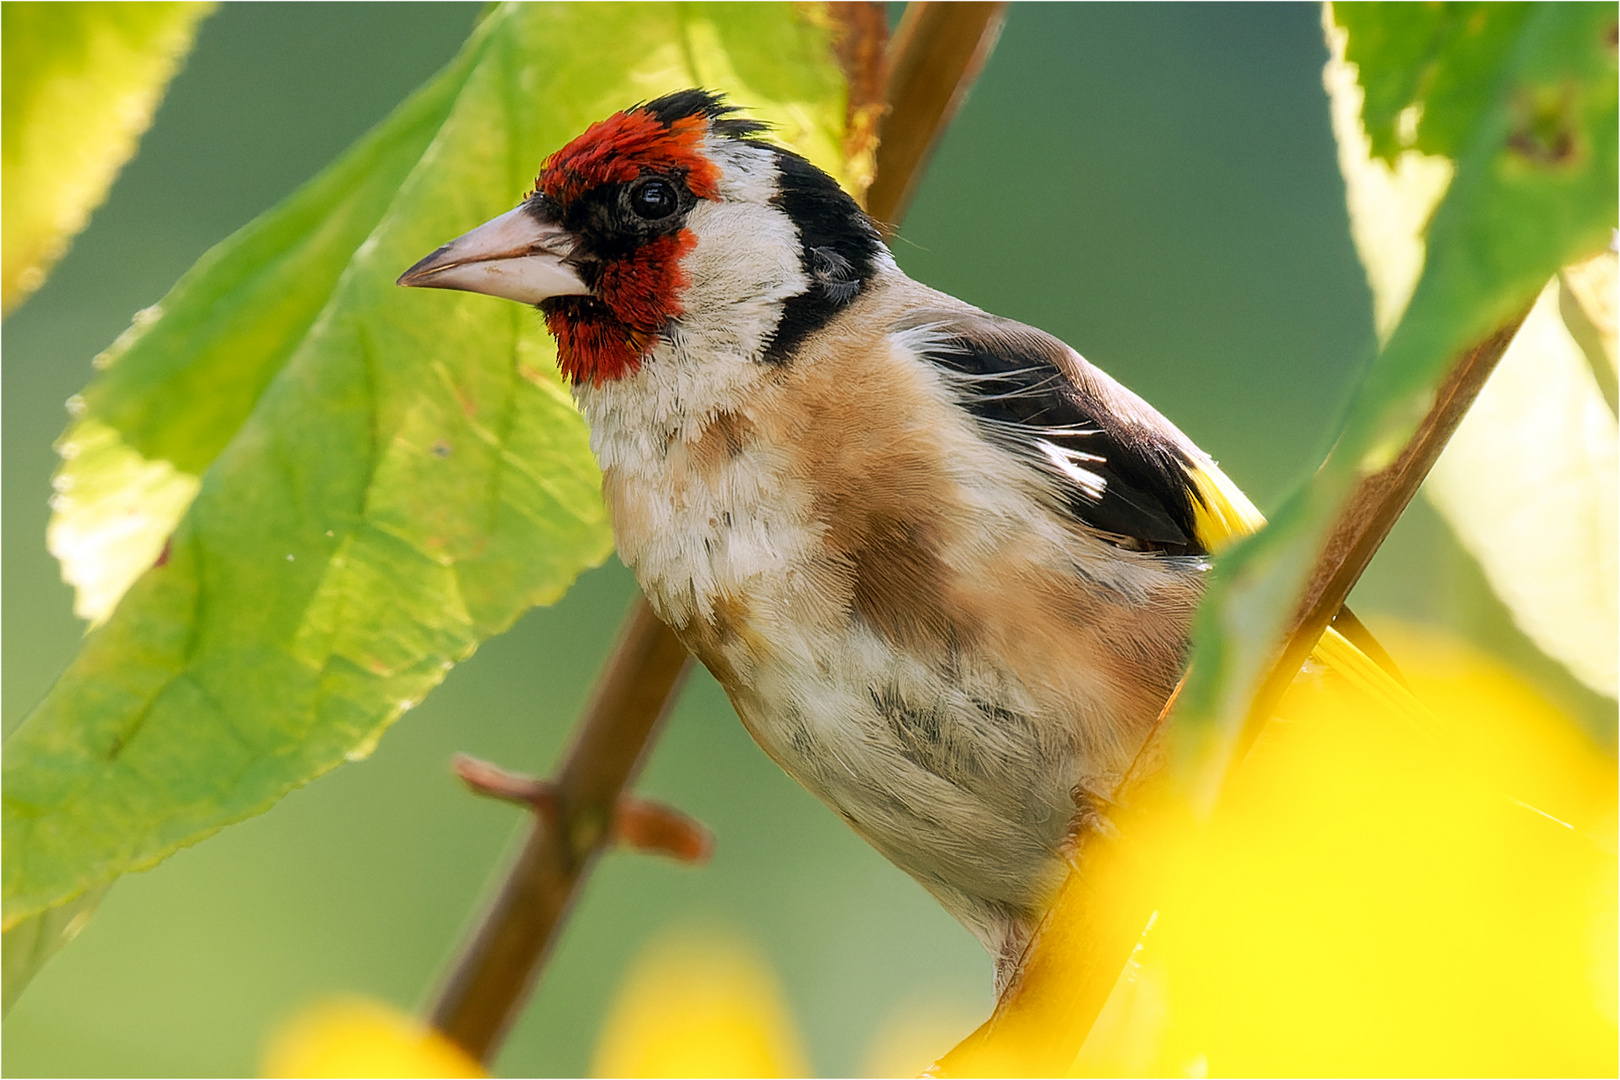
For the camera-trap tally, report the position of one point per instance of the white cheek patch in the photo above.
(746, 252)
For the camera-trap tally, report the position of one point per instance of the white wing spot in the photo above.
(1068, 462)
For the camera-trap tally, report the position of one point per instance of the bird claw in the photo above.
(641, 824)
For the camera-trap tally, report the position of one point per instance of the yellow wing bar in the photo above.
(1222, 513)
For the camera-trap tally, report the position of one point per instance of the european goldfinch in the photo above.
(943, 567)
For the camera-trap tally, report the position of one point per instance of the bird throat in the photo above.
(606, 336)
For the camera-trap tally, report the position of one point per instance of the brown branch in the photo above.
(937, 52)
(579, 811)
(1077, 954)
(493, 977)
(861, 43)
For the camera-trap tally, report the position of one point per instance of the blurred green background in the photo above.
(1155, 184)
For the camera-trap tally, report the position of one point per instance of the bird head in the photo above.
(672, 213)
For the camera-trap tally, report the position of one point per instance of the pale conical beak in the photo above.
(514, 256)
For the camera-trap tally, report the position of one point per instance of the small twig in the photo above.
(492, 978)
(1085, 939)
(494, 975)
(644, 825)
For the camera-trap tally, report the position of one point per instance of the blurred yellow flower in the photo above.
(1382, 890)
(356, 1037)
(699, 1004)
(1372, 899)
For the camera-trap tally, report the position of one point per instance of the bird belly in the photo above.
(952, 786)
(955, 776)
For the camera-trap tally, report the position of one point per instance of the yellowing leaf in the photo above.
(81, 82)
(356, 1037)
(698, 1005)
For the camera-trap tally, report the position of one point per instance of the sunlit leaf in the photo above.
(1547, 399)
(383, 479)
(1589, 303)
(178, 385)
(1530, 484)
(1534, 189)
(80, 84)
(1391, 196)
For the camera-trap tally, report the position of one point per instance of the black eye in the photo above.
(654, 199)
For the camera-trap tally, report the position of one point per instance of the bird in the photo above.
(943, 567)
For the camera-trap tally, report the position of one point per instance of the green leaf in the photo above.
(1427, 65)
(179, 383)
(80, 84)
(383, 478)
(1534, 189)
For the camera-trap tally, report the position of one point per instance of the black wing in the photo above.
(1116, 464)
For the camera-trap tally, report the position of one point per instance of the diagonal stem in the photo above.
(1367, 517)
(939, 51)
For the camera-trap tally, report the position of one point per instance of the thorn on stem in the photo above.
(656, 828)
(641, 824)
(487, 778)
